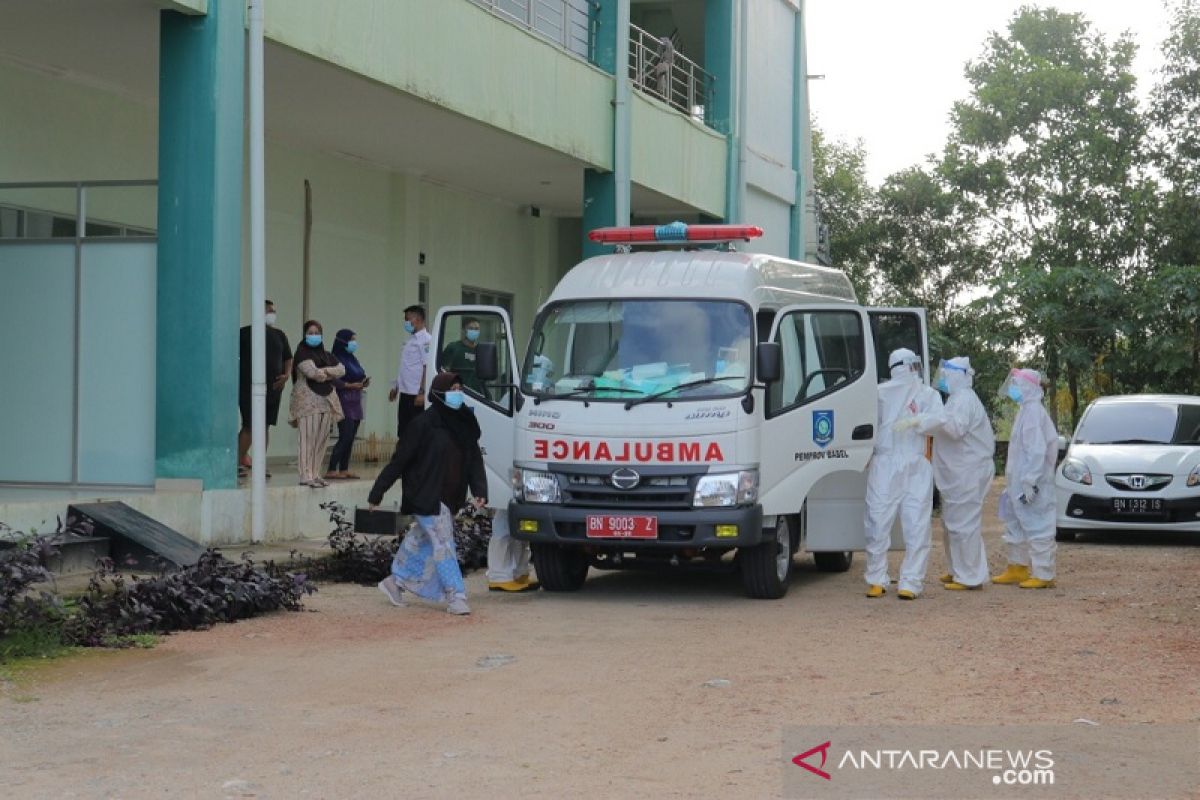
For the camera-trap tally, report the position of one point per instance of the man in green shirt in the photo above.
(459, 357)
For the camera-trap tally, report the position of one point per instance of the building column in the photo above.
(605, 192)
(200, 133)
(801, 142)
(720, 49)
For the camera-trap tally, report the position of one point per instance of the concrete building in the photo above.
(434, 151)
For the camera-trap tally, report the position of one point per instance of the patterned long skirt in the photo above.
(426, 562)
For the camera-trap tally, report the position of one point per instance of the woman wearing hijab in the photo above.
(314, 404)
(437, 459)
(350, 394)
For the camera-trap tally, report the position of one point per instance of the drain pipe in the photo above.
(621, 117)
(743, 83)
(258, 289)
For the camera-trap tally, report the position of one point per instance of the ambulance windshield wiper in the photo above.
(702, 382)
(591, 387)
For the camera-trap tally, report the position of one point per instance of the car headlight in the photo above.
(1194, 476)
(726, 489)
(1075, 470)
(532, 486)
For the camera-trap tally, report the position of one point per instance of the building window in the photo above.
(423, 291)
(18, 222)
(472, 296)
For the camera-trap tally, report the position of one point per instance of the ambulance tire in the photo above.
(767, 568)
(560, 569)
(833, 562)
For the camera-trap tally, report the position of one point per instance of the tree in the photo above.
(1050, 146)
(843, 199)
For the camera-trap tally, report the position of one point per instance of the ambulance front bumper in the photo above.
(740, 526)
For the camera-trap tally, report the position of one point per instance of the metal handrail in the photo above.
(567, 23)
(658, 69)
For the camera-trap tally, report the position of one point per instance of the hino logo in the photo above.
(1137, 481)
(625, 478)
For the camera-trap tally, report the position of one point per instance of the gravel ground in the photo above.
(603, 693)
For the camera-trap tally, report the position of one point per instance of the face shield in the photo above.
(904, 364)
(1021, 385)
(951, 376)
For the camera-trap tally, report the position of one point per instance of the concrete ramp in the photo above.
(134, 536)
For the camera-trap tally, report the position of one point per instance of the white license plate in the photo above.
(1137, 505)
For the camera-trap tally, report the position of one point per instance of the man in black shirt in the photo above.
(279, 366)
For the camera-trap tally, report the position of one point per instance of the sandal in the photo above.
(350, 476)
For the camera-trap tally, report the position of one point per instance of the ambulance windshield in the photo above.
(623, 349)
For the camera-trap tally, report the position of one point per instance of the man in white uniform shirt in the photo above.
(409, 386)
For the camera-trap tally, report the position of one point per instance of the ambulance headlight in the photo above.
(533, 486)
(727, 489)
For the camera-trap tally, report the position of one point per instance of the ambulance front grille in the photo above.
(594, 491)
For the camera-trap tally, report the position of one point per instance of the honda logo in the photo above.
(625, 478)
(1137, 481)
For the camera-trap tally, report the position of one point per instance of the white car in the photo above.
(1133, 464)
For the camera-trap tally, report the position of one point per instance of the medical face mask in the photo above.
(472, 334)
(942, 386)
(270, 318)
(1014, 393)
(313, 340)
(454, 399)
(720, 366)
(408, 327)
(351, 346)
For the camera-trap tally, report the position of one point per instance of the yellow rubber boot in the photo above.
(875, 590)
(1013, 573)
(905, 594)
(1036, 583)
(957, 587)
(525, 580)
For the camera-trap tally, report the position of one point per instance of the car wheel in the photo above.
(833, 562)
(766, 568)
(560, 569)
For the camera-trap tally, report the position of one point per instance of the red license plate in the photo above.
(610, 526)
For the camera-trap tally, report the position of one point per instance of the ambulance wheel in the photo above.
(833, 562)
(560, 569)
(766, 568)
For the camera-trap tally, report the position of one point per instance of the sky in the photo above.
(894, 69)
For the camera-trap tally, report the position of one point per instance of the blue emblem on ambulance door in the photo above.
(822, 428)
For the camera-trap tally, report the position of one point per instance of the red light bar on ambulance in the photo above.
(675, 232)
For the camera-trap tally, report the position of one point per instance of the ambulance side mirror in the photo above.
(487, 367)
(768, 357)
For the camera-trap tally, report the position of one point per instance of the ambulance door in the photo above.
(819, 421)
(494, 402)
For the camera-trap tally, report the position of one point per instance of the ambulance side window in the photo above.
(823, 351)
(460, 333)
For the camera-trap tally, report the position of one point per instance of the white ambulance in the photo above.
(682, 405)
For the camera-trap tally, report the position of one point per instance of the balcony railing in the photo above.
(656, 67)
(661, 71)
(567, 23)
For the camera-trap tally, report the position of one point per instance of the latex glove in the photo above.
(907, 423)
(1029, 493)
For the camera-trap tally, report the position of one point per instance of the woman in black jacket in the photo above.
(437, 460)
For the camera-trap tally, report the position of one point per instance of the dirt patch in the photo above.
(642, 684)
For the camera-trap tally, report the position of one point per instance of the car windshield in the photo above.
(1149, 422)
(626, 349)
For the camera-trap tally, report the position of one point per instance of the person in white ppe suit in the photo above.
(1027, 505)
(899, 479)
(963, 467)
